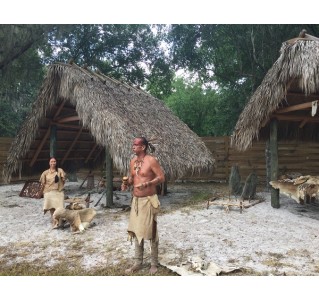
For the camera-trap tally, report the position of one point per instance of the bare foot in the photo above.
(153, 270)
(133, 269)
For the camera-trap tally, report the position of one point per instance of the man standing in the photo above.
(144, 175)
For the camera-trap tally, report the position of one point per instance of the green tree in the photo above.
(19, 86)
(21, 70)
(194, 105)
(234, 57)
(129, 52)
(17, 39)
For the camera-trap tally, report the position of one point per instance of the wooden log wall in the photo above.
(5, 144)
(294, 156)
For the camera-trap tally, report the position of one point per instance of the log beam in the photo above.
(40, 147)
(71, 147)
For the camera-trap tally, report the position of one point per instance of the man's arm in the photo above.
(130, 178)
(158, 171)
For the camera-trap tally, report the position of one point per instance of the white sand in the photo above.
(268, 241)
(265, 240)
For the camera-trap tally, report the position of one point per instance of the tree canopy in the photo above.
(228, 62)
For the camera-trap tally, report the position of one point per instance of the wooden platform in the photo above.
(228, 203)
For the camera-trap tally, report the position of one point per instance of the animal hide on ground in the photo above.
(75, 206)
(79, 219)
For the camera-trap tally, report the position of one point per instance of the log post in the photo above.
(53, 141)
(273, 147)
(268, 166)
(109, 178)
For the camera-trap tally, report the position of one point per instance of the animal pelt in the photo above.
(86, 216)
(79, 219)
(302, 193)
(286, 188)
(75, 206)
(198, 263)
(306, 179)
(308, 192)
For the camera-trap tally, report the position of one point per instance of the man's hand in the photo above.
(142, 185)
(125, 182)
(124, 187)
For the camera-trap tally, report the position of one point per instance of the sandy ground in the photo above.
(194, 240)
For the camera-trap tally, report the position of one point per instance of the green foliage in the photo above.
(160, 81)
(19, 86)
(230, 53)
(234, 57)
(130, 52)
(231, 102)
(17, 39)
(127, 52)
(193, 105)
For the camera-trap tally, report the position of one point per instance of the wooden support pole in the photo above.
(268, 165)
(109, 178)
(53, 140)
(226, 143)
(273, 147)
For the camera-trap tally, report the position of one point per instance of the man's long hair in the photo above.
(149, 146)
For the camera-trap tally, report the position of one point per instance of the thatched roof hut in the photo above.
(91, 112)
(288, 93)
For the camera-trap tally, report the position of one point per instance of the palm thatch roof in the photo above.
(288, 93)
(92, 112)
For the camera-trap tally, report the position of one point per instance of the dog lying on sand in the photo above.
(79, 219)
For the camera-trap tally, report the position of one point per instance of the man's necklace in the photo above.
(138, 165)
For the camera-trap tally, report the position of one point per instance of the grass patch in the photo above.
(192, 202)
(73, 269)
(198, 198)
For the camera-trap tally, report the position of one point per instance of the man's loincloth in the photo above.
(53, 199)
(143, 218)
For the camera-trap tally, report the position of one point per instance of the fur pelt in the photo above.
(79, 219)
(75, 206)
(306, 179)
(303, 192)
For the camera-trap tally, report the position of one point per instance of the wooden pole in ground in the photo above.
(53, 141)
(273, 147)
(109, 178)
